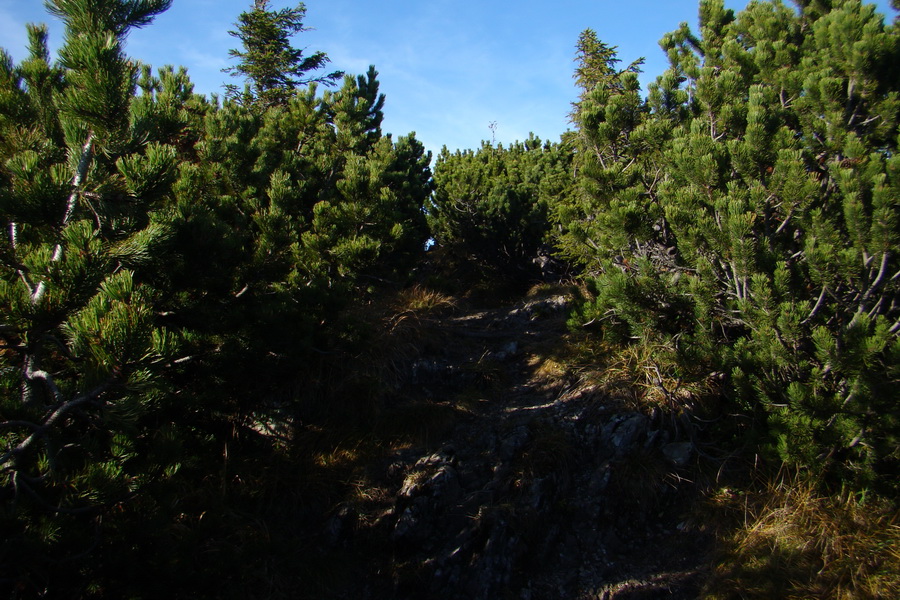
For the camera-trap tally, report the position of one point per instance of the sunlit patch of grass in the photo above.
(567, 357)
(544, 290)
(337, 457)
(646, 370)
(797, 543)
(545, 367)
(422, 299)
(365, 491)
(469, 399)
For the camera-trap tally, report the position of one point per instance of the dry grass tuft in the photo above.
(545, 290)
(420, 299)
(645, 370)
(547, 368)
(796, 543)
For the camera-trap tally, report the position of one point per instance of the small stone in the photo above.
(412, 485)
(339, 524)
(678, 453)
(600, 479)
(412, 527)
(624, 431)
(444, 484)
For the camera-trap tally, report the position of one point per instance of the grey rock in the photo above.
(678, 453)
(624, 431)
(441, 484)
(508, 351)
(444, 484)
(412, 485)
(599, 479)
(445, 455)
(339, 525)
(514, 442)
(414, 524)
(538, 493)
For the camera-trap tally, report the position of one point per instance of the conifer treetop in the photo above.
(272, 67)
(116, 16)
(597, 62)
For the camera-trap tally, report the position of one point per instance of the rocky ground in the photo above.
(544, 486)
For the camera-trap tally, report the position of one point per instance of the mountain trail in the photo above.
(542, 486)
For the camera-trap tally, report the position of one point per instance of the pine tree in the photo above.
(491, 205)
(760, 237)
(167, 263)
(272, 67)
(284, 214)
(613, 223)
(597, 64)
(80, 193)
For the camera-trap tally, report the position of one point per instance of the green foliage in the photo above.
(597, 66)
(271, 65)
(747, 211)
(168, 265)
(491, 205)
(82, 353)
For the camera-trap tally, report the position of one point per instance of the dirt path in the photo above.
(542, 488)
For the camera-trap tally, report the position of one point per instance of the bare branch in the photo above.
(55, 416)
(895, 328)
(43, 376)
(84, 161)
(87, 153)
(11, 424)
(874, 286)
(784, 223)
(815, 308)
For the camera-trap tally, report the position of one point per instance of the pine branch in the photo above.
(815, 308)
(879, 279)
(84, 161)
(31, 374)
(42, 429)
(18, 484)
(20, 269)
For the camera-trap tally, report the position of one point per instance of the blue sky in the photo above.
(448, 68)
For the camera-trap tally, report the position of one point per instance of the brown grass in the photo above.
(420, 299)
(797, 543)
